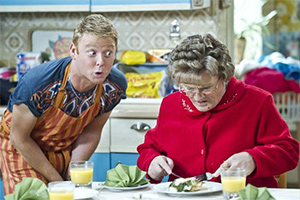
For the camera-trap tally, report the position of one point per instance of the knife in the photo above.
(202, 177)
(205, 177)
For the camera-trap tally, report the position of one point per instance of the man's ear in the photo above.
(73, 50)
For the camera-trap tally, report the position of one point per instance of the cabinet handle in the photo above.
(140, 126)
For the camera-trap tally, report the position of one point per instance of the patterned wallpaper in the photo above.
(137, 30)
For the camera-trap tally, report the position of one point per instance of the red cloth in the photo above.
(271, 80)
(246, 119)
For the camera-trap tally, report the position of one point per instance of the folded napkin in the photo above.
(251, 192)
(125, 176)
(29, 188)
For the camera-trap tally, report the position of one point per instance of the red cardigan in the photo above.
(246, 119)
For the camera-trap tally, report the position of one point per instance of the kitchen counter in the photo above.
(137, 108)
(130, 108)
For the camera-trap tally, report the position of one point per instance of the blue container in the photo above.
(22, 66)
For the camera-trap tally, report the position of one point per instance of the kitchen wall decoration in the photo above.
(53, 42)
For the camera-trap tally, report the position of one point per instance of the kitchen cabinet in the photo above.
(100, 5)
(146, 5)
(123, 158)
(101, 157)
(45, 6)
(104, 144)
(101, 165)
(123, 132)
(129, 122)
(1, 189)
(127, 134)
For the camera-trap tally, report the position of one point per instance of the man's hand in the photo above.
(159, 167)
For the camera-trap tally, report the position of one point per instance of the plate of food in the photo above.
(101, 185)
(187, 187)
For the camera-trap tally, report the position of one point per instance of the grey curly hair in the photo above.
(196, 55)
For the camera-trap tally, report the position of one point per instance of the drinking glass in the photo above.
(81, 173)
(232, 180)
(61, 190)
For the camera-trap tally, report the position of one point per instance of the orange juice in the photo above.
(61, 195)
(233, 184)
(81, 175)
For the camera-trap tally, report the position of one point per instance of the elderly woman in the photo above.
(215, 119)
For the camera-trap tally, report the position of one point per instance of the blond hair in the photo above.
(196, 55)
(97, 25)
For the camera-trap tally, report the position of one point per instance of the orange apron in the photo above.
(54, 132)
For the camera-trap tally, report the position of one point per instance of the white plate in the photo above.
(124, 188)
(210, 187)
(84, 193)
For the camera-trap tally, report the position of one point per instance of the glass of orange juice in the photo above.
(81, 173)
(61, 190)
(232, 180)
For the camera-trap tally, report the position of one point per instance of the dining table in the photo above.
(150, 192)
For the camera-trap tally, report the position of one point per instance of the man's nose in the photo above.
(100, 60)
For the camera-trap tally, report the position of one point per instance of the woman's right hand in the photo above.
(159, 167)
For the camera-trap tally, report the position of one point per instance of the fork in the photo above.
(205, 177)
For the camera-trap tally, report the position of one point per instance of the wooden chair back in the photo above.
(282, 180)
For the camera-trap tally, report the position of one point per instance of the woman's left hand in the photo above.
(239, 160)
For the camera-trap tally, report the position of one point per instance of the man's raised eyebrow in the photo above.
(92, 45)
(110, 46)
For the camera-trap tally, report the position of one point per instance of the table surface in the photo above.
(149, 193)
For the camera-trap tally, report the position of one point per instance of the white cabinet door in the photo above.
(104, 144)
(125, 137)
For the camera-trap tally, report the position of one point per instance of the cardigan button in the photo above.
(202, 152)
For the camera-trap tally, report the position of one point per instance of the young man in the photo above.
(57, 111)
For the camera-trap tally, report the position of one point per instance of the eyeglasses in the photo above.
(191, 89)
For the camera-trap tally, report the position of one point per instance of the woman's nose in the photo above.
(199, 92)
